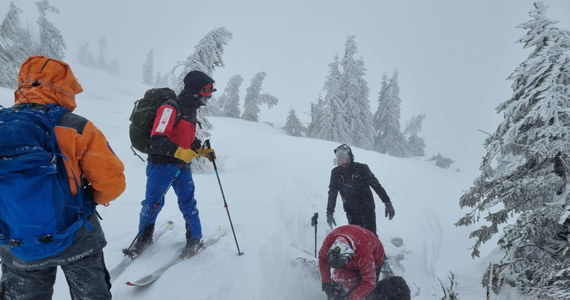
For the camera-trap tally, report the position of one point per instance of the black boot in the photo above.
(143, 240)
(192, 246)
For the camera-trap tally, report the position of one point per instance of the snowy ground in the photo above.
(274, 184)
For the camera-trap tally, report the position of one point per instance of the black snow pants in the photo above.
(87, 279)
(366, 219)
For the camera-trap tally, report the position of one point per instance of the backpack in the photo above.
(38, 213)
(143, 114)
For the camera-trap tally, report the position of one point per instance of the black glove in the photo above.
(330, 220)
(333, 290)
(390, 212)
(196, 144)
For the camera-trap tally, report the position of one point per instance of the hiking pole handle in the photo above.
(207, 144)
(314, 222)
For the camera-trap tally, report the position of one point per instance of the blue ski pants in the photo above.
(159, 179)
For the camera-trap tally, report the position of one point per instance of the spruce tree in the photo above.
(101, 61)
(85, 57)
(354, 94)
(332, 123)
(254, 98)
(229, 101)
(51, 40)
(15, 46)
(293, 125)
(316, 113)
(148, 68)
(415, 145)
(388, 137)
(519, 176)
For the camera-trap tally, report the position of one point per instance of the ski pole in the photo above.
(208, 145)
(314, 223)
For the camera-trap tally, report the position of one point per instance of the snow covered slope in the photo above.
(273, 184)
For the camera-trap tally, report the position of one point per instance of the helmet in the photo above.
(339, 254)
(343, 154)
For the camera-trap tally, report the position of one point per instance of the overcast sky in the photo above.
(452, 54)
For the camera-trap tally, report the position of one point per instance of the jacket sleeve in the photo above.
(160, 136)
(333, 193)
(100, 166)
(375, 185)
(366, 267)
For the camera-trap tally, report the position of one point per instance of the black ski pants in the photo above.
(87, 279)
(366, 219)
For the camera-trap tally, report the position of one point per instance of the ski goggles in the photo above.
(207, 91)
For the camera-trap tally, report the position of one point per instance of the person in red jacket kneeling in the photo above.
(356, 256)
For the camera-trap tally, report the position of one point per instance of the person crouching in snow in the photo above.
(356, 256)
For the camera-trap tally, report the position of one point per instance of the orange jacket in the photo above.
(44, 80)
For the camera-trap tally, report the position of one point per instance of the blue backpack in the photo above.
(38, 213)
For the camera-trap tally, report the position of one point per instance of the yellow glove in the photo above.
(207, 153)
(185, 154)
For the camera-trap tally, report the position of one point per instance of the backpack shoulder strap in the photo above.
(172, 102)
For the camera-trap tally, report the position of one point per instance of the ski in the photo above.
(115, 272)
(152, 277)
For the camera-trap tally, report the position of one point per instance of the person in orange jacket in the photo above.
(43, 80)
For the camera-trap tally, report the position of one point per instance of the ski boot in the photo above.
(192, 246)
(142, 241)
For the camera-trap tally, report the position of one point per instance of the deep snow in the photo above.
(274, 184)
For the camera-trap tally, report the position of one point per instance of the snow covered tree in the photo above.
(251, 104)
(15, 46)
(442, 161)
(207, 54)
(229, 101)
(148, 68)
(519, 177)
(293, 125)
(332, 123)
(162, 80)
(207, 57)
(101, 61)
(51, 39)
(354, 94)
(388, 137)
(415, 145)
(254, 98)
(85, 57)
(316, 113)
(8, 70)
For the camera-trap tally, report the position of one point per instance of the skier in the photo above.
(42, 82)
(353, 180)
(174, 145)
(356, 256)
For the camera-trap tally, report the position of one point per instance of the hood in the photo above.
(45, 80)
(194, 81)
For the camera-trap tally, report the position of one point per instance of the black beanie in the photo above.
(194, 81)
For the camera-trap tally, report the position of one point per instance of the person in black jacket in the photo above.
(353, 180)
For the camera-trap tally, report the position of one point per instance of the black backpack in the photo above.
(143, 114)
